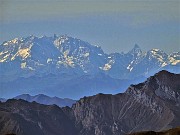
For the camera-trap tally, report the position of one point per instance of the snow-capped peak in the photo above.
(65, 54)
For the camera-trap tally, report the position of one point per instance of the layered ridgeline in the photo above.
(61, 65)
(150, 106)
(44, 99)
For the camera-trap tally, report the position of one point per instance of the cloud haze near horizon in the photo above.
(115, 25)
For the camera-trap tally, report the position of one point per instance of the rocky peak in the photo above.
(163, 85)
(136, 51)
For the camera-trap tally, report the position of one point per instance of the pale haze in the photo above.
(114, 25)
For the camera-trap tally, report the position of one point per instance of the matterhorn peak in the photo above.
(136, 46)
(136, 50)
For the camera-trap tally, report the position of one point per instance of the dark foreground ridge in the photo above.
(174, 131)
(150, 106)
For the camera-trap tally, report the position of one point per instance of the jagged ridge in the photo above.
(63, 54)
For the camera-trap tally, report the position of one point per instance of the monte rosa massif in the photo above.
(69, 67)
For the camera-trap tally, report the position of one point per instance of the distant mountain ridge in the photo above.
(153, 105)
(49, 62)
(43, 99)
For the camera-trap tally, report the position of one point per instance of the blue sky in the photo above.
(116, 25)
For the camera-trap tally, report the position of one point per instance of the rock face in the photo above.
(57, 64)
(150, 106)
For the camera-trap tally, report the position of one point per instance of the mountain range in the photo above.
(44, 99)
(61, 65)
(153, 105)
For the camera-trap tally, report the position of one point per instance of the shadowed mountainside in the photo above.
(174, 131)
